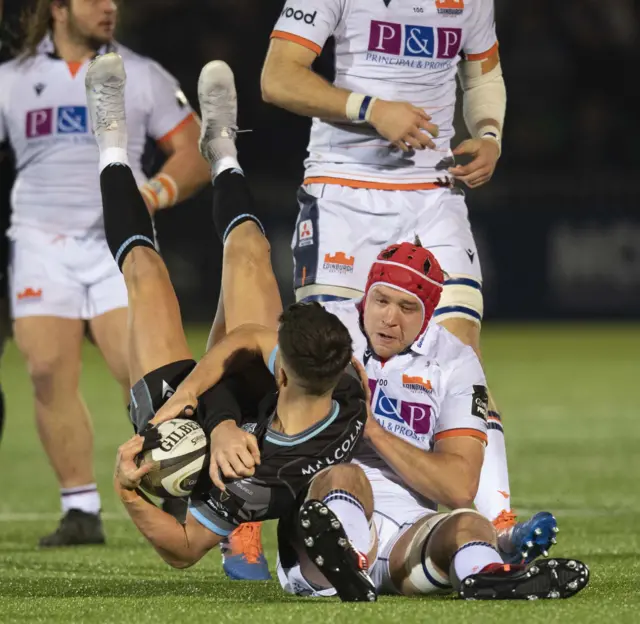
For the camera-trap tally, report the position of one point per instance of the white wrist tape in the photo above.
(485, 98)
(359, 107)
(492, 133)
(160, 192)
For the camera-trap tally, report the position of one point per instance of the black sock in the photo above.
(127, 223)
(232, 203)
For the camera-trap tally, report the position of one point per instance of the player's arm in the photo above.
(449, 475)
(484, 96)
(484, 99)
(484, 107)
(184, 173)
(176, 129)
(180, 546)
(243, 343)
(288, 80)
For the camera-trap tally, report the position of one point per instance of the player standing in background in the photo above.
(6, 180)
(62, 275)
(380, 168)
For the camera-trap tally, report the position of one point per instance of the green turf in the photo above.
(569, 396)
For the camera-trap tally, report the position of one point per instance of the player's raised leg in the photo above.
(249, 291)
(156, 337)
(249, 287)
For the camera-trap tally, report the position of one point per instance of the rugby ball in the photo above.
(177, 462)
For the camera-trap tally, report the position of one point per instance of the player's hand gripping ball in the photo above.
(176, 451)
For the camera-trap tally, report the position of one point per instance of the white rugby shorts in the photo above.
(340, 230)
(63, 276)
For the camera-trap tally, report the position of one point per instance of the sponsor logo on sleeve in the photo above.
(480, 402)
(300, 16)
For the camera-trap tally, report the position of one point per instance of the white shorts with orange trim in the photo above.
(340, 231)
(63, 276)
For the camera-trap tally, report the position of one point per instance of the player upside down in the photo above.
(318, 413)
(411, 548)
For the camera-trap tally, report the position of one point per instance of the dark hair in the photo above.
(36, 23)
(315, 345)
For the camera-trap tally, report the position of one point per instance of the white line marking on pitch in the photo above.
(523, 513)
(38, 516)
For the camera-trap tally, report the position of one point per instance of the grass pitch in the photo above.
(569, 396)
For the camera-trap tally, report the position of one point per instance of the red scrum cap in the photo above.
(412, 269)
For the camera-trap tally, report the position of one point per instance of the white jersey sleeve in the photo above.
(465, 405)
(169, 107)
(481, 40)
(309, 22)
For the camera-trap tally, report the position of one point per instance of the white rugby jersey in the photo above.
(401, 50)
(44, 117)
(435, 390)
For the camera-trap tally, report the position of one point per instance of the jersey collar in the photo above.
(46, 46)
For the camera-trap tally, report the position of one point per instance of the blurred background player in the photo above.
(380, 168)
(63, 280)
(6, 181)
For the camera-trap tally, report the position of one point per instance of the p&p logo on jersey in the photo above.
(39, 123)
(68, 120)
(400, 417)
(72, 120)
(407, 40)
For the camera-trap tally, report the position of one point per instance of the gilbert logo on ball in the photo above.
(178, 460)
